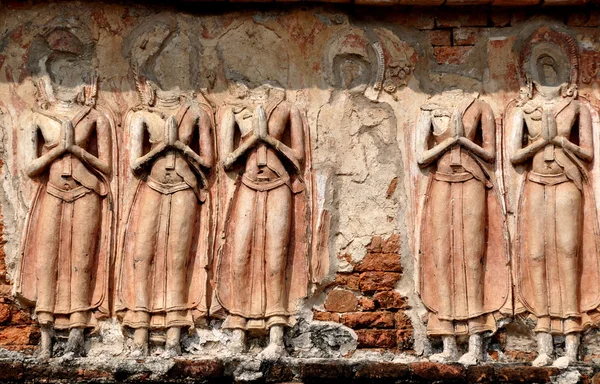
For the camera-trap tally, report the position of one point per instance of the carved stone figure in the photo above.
(263, 268)
(549, 139)
(357, 132)
(163, 253)
(463, 259)
(68, 233)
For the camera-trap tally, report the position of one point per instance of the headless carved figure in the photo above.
(75, 162)
(260, 220)
(167, 209)
(457, 222)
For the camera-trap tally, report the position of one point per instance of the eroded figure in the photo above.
(162, 256)
(463, 259)
(263, 268)
(549, 134)
(67, 241)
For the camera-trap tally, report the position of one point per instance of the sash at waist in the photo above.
(459, 177)
(166, 189)
(547, 179)
(68, 196)
(266, 185)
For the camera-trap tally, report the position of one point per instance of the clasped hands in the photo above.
(549, 133)
(260, 132)
(67, 133)
(171, 138)
(458, 136)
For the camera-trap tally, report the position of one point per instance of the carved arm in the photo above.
(518, 153)
(138, 160)
(488, 132)
(41, 163)
(295, 153)
(427, 156)
(103, 162)
(206, 156)
(585, 149)
(228, 125)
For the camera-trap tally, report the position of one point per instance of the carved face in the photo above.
(67, 74)
(548, 71)
(351, 71)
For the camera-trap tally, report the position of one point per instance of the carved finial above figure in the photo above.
(463, 279)
(263, 268)
(550, 147)
(164, 247)
(69, 231)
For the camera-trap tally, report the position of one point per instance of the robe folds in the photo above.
(65, 261)
(172, 290)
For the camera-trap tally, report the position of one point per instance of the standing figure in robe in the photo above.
(549, 135)
(263, 266)
(163, 254)
(67, 241)
(463, 265)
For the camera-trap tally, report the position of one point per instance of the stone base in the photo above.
(289, 370)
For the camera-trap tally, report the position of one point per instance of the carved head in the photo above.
(62, 60)
(348, 60)
(549, 59)
(358, 60)
(158, 56)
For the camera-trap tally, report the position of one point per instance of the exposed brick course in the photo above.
(358, 320)
(341, 300)
(378, 281)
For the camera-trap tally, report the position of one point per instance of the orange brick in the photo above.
(358, 320)
(341, 300)
(378, 281)
(440, 37)
(376, 338)
(390, 300)
(384, 262)
(451, 55)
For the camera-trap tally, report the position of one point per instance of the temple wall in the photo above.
(366, 188)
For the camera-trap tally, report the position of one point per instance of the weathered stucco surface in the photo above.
(362, 140)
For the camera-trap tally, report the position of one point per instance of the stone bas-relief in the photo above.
(549, 135)
(266, 229)
(463, 257)
(67, 242)
(212, 253)
(162, 256)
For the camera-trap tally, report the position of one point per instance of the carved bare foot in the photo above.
(276, 347)
(545, 350)
(542, 360)
(238, 344)
(571, 349)
(140, 343)
(450, 352)
(75, 344)
(475, 351)
(173, 343)
(45, 350)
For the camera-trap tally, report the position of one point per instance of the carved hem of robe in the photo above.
(295, 272)
(495, 276)
(61, 314)
(162, 316)
(561, 322)
(480, 324)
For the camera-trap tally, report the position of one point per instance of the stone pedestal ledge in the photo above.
(24, 369)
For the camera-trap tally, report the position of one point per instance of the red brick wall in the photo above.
(17, 331)
(365, 300)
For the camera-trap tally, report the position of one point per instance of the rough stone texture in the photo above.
(362, 151)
